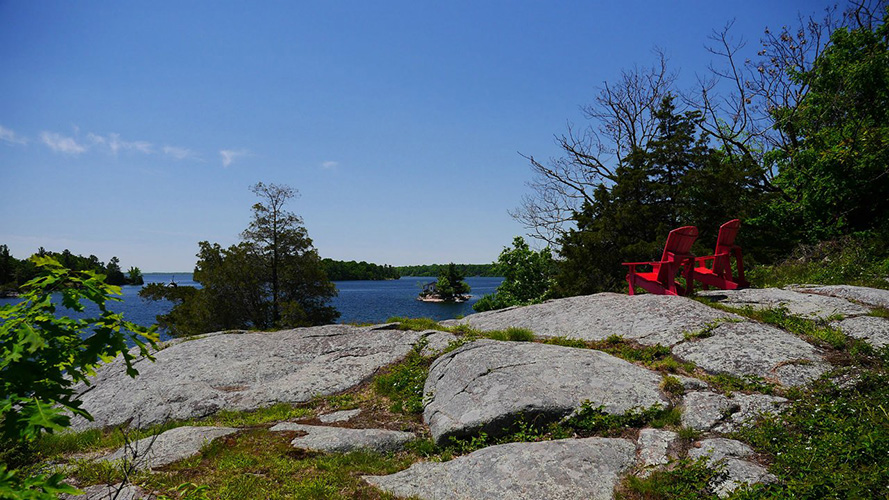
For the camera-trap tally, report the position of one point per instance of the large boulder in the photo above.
(648, 319)
(486, 385)
(565, 469)
(755, 349)
(240, 371)
(806, 305)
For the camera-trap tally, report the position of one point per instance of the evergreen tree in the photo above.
(272, 279)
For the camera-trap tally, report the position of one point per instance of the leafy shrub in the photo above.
(42, 357)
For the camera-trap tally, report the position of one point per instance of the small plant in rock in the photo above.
(596, 420)
(672, 385)
(567, 342)
(511, 334)
(684, 479)
(403, 382)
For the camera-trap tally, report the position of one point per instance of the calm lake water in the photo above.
(358, 301)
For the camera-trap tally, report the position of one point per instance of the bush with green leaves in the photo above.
(527, 277)
(43, 356)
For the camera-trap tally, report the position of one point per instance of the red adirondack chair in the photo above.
(662, 278)
(719, 273)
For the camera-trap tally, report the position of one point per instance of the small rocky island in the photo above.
(450, 287)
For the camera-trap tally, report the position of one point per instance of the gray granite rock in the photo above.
(436, 342)
(806, 305)
(873, 330)
(703, 410)
(485, 385)
(339, 416)
(343, 440)
(731, 454)
(168, 447)
(653, 447)
(691, 383)
(709, 411)
(869, 296)
(110, 492)
(755, 349)
(649, 319)
(240, 371)
(565, 469)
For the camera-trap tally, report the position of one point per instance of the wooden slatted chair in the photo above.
(662, 278)
(719, 273)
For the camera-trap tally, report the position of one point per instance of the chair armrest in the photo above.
(702, 259)
(640, 263)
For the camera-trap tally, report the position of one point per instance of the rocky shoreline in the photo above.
(486, 386)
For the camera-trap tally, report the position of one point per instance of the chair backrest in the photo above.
(726, 239)
(679, 241)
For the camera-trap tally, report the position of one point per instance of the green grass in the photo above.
(52, 445)
(879, 312)
(262, 464)
(403, 382)
(420, 324)
(732, 383)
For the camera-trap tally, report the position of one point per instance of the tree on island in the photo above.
(272, 279)
(450, 286)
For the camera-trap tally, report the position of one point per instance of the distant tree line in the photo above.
(339, 270)
(435, 270)
(15, 273)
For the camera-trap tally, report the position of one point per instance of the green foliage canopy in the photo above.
(834, 175)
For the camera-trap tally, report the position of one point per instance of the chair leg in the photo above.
(630, 282)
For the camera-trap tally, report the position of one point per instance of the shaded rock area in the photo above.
(240, 371)
(869, 296)
(873, 330)
(755, 349)
(648, 319)
(343, 440)
(730, 454)
(486, 385)
(168, 447)
(564, 469)
(806, 305)
(709, 411)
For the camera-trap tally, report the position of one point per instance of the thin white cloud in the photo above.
(61, 144)
(180, 153)
(329, 164)
(115, 144)
(7, 135)
(230, 155)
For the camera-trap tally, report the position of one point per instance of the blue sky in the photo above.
(136, 128)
